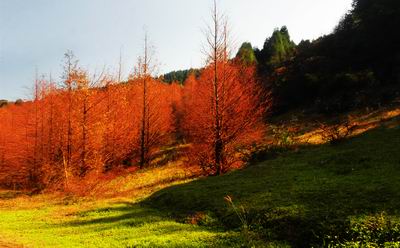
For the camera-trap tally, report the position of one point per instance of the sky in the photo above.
(35, 34)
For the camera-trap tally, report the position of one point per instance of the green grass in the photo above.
(112, 225)
(343, 195)
(316, 195)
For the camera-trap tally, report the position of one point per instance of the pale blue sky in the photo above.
(36, 33)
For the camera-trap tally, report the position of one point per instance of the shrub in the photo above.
(335, 132)
(379, 230)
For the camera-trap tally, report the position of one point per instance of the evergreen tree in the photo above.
(246, 54)
(278, 48)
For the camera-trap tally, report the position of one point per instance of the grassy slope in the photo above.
(65, 221)
(306, 195)
(299, 198)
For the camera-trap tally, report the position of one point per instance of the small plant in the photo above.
(239, 211)
(252, 237)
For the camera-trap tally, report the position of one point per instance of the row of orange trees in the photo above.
(89, 124)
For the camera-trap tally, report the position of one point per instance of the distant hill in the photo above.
(179, 76)
(4, 103)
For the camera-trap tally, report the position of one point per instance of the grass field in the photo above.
(115, 220)
(345, 195)
(316, 194)
(111, 225)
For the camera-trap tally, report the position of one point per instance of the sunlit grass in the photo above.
(307, 195)
(141, 183)
(108, 215)
(363, 121)
(109, 225)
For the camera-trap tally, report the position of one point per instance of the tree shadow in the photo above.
(124, 214)
(137, 223)
(300, 198)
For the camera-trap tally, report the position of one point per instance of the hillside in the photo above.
(310, 196)
(286, 145)
(345, 194)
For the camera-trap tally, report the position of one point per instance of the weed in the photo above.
(239, 211)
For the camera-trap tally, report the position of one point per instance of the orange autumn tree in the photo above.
(114, 129)
(15, 148)
(223, 112)
(52, 133)
(88, 120)
(152, 122)
(70, 133)
(23, 138)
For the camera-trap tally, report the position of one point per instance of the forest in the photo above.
(287, 145)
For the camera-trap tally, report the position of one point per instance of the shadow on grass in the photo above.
(304, 198)
(140, 226)
(124, 214)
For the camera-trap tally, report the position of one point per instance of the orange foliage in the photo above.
(78, 131)
(223, 108)
(92, 124)
(67, 134)
(236, 124)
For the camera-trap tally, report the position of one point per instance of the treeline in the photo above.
(4, 103)
(356, 65)
(86, 125)
(179, 76)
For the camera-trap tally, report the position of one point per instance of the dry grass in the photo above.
(361, 122)
(140, 184)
